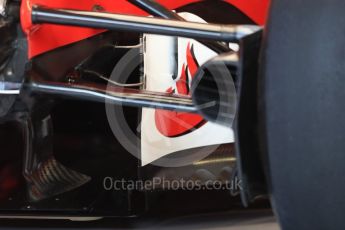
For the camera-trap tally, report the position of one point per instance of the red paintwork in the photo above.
(175, 124)
(43, 38)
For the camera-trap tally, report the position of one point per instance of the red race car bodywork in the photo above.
(43, 38)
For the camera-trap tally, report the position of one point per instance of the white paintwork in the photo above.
(159, 66)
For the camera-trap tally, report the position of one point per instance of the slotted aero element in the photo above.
(45, 176)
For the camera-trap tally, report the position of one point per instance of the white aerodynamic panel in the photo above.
(169, 66)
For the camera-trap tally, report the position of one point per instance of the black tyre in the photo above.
(302, 92)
